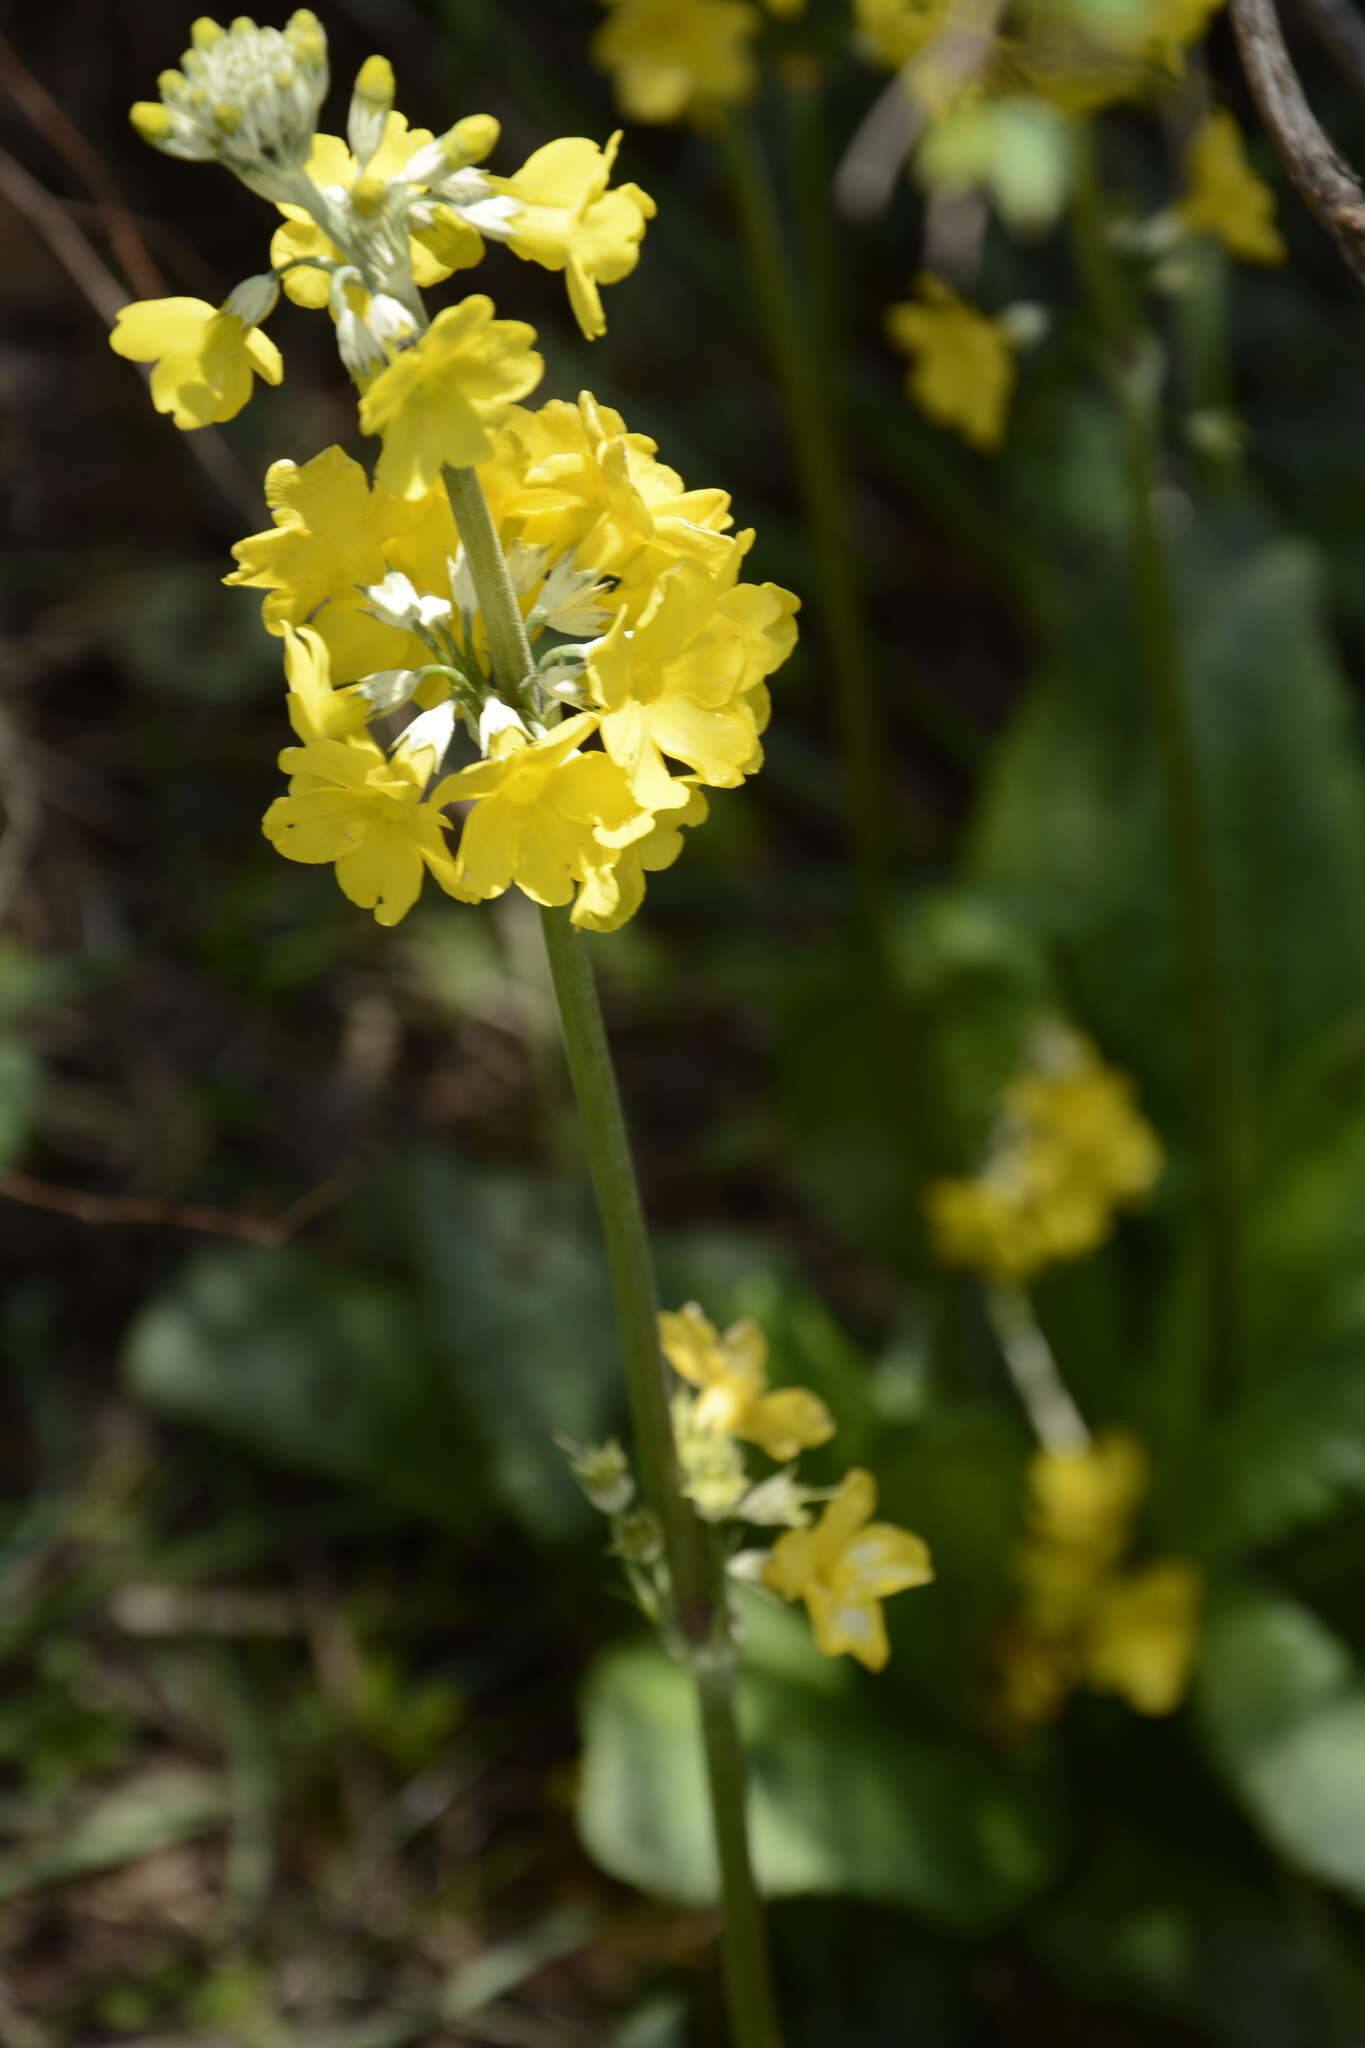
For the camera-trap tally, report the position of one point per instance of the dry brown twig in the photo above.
(36, 103)
(1316, 166)
(97, 283)
(100, 1210)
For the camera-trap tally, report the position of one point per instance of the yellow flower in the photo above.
(1142, 1636)
(684, 680)
(333, 535)
(566, 219)
(571, 478)
(963, 370)
(317, 711)
(1081, 1508)
(1083, 1620)
(1226, 199)
(543, 815)
(731, 1372)
(845, 1567)
(332, 165)
(350, 804)
(204, 359)
(672, 60)
(894, 31)
(613, 885)
(442, 399)
(1071, 1148)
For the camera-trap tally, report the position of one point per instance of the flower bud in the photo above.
(254, 299)
(371, 105)
(603, 1473)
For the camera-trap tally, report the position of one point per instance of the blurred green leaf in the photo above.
(156, 1810)
(20, 1078)
(518, 1305)
(1283, 1712)
(843, 1800)
(1071, 823)
(312, 1366)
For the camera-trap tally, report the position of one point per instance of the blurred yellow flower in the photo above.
(1142, 1637)
(730, 1370)
(1069, 1150)
(673, 60)
(205, 359)
(441, 400)
(1226, 199)
(962, 374)
(566, 219)
(845, 1567)
(1082, 1619)
(894, 31)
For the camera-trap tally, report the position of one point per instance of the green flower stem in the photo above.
(810, 405)
(508, 647)
(1135, 367)
(749, 1995)
(699, 1607)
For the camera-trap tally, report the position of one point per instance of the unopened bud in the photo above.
(603, 1472)
(151, 120)
(371, 105)
(254, 299)
(636, 1538)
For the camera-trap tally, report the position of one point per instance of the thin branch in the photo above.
(269, 1231)
(37, 104)
(1323, 176)
(97, 283)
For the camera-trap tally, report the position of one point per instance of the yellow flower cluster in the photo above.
(645, 657)
(1070, 1148)
(629, 588)
(962, 374)
(844, 1566)
(371, 220)
(1082, 1619)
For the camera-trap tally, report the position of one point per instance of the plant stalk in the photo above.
(810, 403)
(699, 1607)
(1134, 369)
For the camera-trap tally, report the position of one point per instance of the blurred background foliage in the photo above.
(318, 1721)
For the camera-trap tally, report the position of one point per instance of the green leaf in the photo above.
(1072, 822)
(842, 1799)
(519, 1307)
(1282, 1709)
(303, 1363)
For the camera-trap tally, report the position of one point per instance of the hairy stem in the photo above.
(699, 1607)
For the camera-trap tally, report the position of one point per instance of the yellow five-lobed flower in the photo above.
(730, 1370)
(564, 217)
(440, 401)
(205, 358)
(844, 1568)
(962, 372)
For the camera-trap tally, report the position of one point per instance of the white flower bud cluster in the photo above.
(245, 97)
